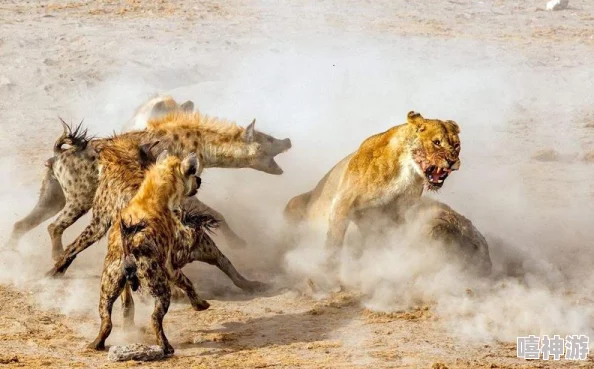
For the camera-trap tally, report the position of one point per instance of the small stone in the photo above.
(557, 4)
(135, 351)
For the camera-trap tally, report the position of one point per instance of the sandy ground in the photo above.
(518, 79)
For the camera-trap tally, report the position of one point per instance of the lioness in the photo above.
(386, 174)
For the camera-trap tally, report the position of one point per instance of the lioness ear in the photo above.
(190, 165)
(188, 106)
(162, 156)
(417, 120)
(249, 133)
(453, 125)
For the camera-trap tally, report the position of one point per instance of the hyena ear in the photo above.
(97, 146)
(188, 106)
(250, 132)
(162, 156)
(65, 127)
(416, 119)
(190, 165)
(146, 154)
(159, 108)
(453, 126)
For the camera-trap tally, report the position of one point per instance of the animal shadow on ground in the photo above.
(313, 325)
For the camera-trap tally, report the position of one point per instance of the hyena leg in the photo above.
(70, 214)
(91, 234)
(181, 281)
(128, 307)
(112, 284)
(210, 253)
(162, 301)
(231, 237)
(51, 201)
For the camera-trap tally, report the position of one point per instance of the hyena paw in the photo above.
(200, 304)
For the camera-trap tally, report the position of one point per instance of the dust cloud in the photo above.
(328, 98)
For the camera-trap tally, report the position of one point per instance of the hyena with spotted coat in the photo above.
(123, 161)
(71, 178)
(142, 247)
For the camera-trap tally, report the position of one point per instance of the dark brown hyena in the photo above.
(202, 248)
(147, 233)
(71, 179)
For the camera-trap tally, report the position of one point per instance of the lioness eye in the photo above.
(436, 142)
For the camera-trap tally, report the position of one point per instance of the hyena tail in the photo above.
(75, 137)
(127, 232)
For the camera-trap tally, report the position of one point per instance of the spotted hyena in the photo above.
(142, 248)
(71, 177)
(122, 162)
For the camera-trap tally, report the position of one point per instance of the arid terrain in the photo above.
(518, 79)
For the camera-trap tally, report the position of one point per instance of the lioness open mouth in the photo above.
(436, 175)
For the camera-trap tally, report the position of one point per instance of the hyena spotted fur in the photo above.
(71, 177)
(142, 247)
(123, 161)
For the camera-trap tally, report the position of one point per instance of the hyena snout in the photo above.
(287, 143)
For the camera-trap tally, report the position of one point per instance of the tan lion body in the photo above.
(387, 173)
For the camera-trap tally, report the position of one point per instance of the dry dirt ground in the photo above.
(517, 78)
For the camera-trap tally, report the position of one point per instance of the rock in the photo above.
(135, 351)
(557, 4)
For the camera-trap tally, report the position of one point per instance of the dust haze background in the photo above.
(328, 96)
